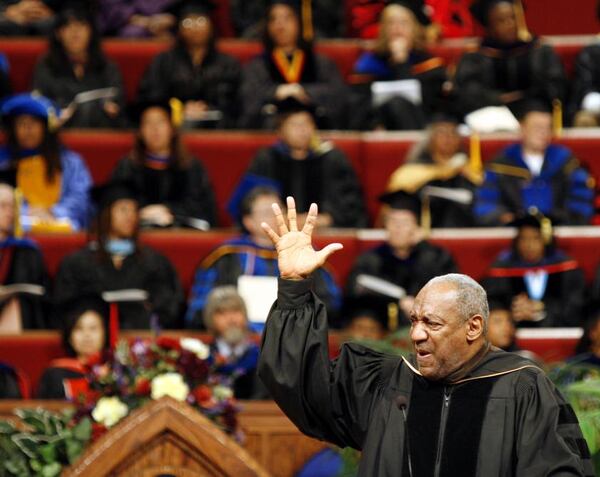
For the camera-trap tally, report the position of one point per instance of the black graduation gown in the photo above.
(425, 262)
(325, 177)
(86, 273)
(9, 384)
(504, 419)
(586, 78)
(531, 68)
(216, 81)
(62, 85)
(52, 382)
(320, 79)
(27, 266)
(187, 192)
(564, 296)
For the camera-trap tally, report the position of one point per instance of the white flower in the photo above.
(222, 392)
(170, 384)
(195, 346)
(109, 411)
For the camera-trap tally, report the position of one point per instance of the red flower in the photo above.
(202, 394)
(98, 430)
(168, 343)
(142, 387)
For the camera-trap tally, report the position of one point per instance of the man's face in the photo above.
(230, 325)
(399, 22)
(502, 23)
(262, 211)
(530, 244)
(445, 140)
(365, 327)
(438, 332)
(283, 27)
(195, 30)
(536, 130)
(7, 209)
(29, 131)
(402, 228)
(297, 130)
(501, 329)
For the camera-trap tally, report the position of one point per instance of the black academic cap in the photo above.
(371, 306)
(531, 105)
(417, 7)
(292, 105)
(480, 9)
(77, 306)
(248, 183)
(107, 194)
(400, 200)
(535, 219)
(446, 112)
(294, 4)
(185, 8)
(173, 107)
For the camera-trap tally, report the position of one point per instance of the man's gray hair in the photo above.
(221, 299)
(471, 297)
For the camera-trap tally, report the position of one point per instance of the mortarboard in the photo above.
(535, 219)
(173, 107)
(33, 104)
(401, 200)
(292, 105)
(186, 8)
(371, 306)
(247, 183)
(107, 194)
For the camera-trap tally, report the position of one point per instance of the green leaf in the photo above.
(35, 465)
(83, 430)
(74, 450)
(6, 427)
(51, 470)
(48, 453)
(27, 443)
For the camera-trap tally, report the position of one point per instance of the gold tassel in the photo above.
(392, 316)
(18, 226)
(475, 162)
(176, 112)
(425, 215)
(307, 23)
(546, 229)
(557, 117)
(523, 31)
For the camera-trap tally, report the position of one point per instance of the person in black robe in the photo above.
(508, 66)
(234, 354)
(21, 262)
(587, 351)
(405, 260)
(399, 54)
(116, 261)
(544, 286)
(84, 338)
(5, 87)
(173, 187)
(194, 71)
(76, 64)
(311, 170)
(9, 383)
(436, 412)
(289, 67)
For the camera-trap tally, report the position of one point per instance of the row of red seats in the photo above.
(133, 57)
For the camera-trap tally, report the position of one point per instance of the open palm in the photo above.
(297, 258)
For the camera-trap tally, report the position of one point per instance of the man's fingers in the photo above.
(327, 251)
(311, 219)
(280, 220)
(291, 213)
(270, 232)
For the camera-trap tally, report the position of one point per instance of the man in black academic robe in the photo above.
(458, 407)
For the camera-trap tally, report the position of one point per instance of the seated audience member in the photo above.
(84, 336)
(11, 386)
(289, 68)
(21, 264)
(509, 66)
(5, 88)
(366, 318)
(195, 72)
(441, 163)
(324, 17)
(54, 180)
(173, 186)
(235, 354)
(400, 55)
(535, 173)
(75, 64)
(250, 254)
(588, 348)
(544, 286)
(26, 17)
(137, 18)
(501, 330)
(405, 260)
(311, 170)
(116, 261)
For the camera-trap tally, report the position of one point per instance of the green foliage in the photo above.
(47, 443)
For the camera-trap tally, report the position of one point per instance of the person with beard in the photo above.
(205, 80)
(544, 286)
(116, 261)
(235, 355)
(290, 68)
(508, 66)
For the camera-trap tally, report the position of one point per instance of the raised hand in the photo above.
(297, 258)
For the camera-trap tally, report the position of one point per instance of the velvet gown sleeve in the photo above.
(329, 400)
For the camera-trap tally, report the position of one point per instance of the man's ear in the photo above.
(247, 223)
(475, 327)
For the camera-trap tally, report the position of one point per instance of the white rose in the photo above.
(222, 392)
(170, 384)
(109, 411)
(195, 346)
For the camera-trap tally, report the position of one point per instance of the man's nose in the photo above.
(418, 333)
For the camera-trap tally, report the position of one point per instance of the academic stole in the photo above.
(290, 70)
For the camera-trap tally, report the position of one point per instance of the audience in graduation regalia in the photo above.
(137, 18)
(173, 186)
(544, 286)
(400, 55)
(11, 385)
(54, 180)
(116, 261)
(21, 263)
(311, 170)
(405, 260)
(194, 71)
(439, 162)
(27, 17)
(235, 355)
(85, 338)
(290, 68)
(509, 65)
(587, 350)
(535, 173)
(501, 329)
(251, 253)
(365, 318)
(75, 65)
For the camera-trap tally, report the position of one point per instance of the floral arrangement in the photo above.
(150, 369)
